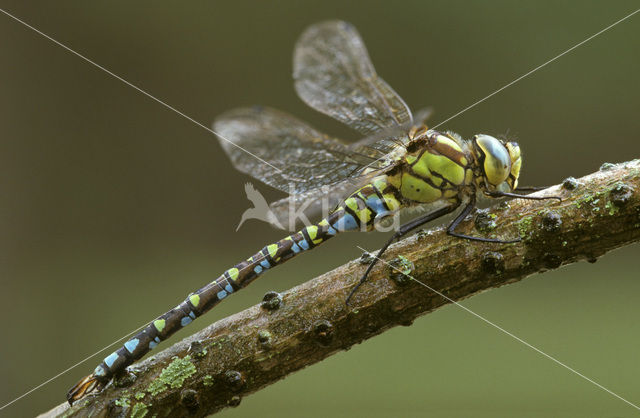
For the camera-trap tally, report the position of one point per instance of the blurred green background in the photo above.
(114, 208)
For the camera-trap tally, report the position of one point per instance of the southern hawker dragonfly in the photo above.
(400, 164)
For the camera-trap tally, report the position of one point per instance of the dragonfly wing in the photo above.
(421, 116)
(334, 75)
(386, 141)
(299, 157)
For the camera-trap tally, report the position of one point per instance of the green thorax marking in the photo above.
(435, 166)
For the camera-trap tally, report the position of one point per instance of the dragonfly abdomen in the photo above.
(357, 210)
(201, 301)
(369, 205)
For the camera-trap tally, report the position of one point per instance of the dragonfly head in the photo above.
(499, 162)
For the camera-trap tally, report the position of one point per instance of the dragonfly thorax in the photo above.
(436, 166)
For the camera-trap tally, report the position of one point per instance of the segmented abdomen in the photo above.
(358, 210)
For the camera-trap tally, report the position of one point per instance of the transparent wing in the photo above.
(291, 211)
(389, 138)
(334, 75)
(386, 141)
(299, 157)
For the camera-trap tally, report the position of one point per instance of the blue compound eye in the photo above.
(497, 163)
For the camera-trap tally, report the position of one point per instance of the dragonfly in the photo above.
(399, 164)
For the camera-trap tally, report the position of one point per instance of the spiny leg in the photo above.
(403, 230)
(497, 194)
(471, 205)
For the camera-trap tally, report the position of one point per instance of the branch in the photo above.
(243, 353)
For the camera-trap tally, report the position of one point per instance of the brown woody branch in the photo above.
(243, 353)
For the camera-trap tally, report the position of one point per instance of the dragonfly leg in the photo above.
(529, 189)
(403, 230)
(466, 211)
(521, 196)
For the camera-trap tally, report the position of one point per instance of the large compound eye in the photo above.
(497, 163)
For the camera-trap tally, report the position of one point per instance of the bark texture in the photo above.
(245, 352)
